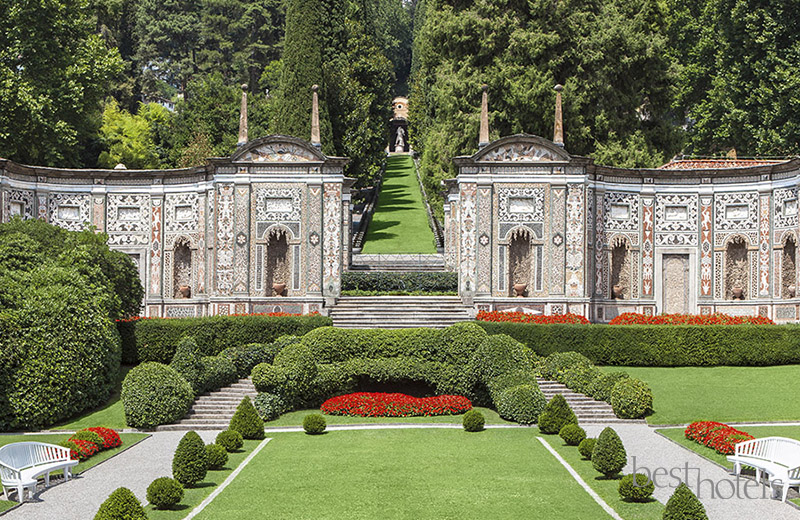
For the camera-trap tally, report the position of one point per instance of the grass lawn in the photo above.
(725, 394)
(404, 474)
(296, 418)
(128, 440)
(400, 223)
(110, 415)
(607, 489)
(193, 496)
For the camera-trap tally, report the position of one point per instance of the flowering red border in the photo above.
(377, 404)
(633, 318)
(271, 314)
(522, 317)
(717, 436)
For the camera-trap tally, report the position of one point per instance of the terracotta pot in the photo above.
(792, 290)
(519, 289)
(279, 288)
(617, 291)
(185, 291)
(738, 292)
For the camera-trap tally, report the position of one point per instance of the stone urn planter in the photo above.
(792, 291)
(279, 288)
(519, 289)
(738, 292)
(185, 291)
(617, 291)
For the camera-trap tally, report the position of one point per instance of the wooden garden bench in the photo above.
(21, 463)
(778, 457)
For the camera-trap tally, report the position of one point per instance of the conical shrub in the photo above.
(608, 456)
(246, 421)
(121, 504)
(190, 463)
(556, 415)
(684, 505)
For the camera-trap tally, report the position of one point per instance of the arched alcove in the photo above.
(277, 261)
(737, 270)
(620, 270)
(182, 270)
(521, 269)
(789, 270)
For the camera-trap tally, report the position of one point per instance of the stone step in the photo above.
(184, 427)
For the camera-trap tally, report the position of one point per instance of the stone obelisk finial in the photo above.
(315, 117)
(243, 117)
(484, 135)
(558, 129)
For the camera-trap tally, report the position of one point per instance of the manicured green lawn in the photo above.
(726, 394)
(110, 415)
(608, 489)
(407, 473)
(193, 496)
(400, 223)
(296, 418)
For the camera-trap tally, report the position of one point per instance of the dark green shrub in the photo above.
(127, 336)
(231, 440)
(246, 421)
(217, 372)
(187, 363)
(602, 386)
(581, 378)
(269, 406)
(522, 404)
(86, 435)
(572, 434)
(245, 357)
(217, 456)
(555, 415)
(636, 488)
(300, 369)
(631, 398)
(190, 462)
(154, 394)
(555, 365)
(122, 503)
(586, 447)
(684, 505)
(498, 355)
(473, 421)
(314, 424)
(164, 492)
(393, 282)
(269, 378)
(608, 456)
(157, 338)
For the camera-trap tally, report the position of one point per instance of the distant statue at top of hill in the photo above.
(400, 143)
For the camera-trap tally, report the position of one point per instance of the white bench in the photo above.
(778, 457)
(21, 463)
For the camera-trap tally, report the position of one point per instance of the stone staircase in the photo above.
(587, 409)
(213, 410)
(397, 312)
(410, 263)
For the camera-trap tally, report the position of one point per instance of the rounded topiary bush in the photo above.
(602, 386)
(246, 421)
(217, 456)
(522, 404)
(154, 394)
(608, 456)
(684, 505)
(190, 462)
(314, 424)
(245, 357)
(269, 406)
(86, 435)
(556, 415)
(269, 378)
(299, 368)
(586, 447)
(572, 434)
(473, 421)
(231, 440)
(217, 372)
(581, 378)
(636, 488)
(164, 492)
(122, 503)
(631, 398)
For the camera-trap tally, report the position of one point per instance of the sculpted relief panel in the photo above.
(676, 220)
(70, 211)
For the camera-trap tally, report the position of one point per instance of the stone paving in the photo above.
(136, 467)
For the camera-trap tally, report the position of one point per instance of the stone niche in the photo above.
(520, 267)
(620, 270)
(182, 270)
(737, 270)
(789, 269)
(278, 271)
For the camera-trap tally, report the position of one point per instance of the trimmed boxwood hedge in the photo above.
(661, 345)
(389, 282)
(157, 338)
(154, 394)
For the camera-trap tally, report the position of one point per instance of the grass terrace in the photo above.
(295, 418)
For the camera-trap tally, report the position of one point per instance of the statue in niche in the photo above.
(737, 270)
(520, 262)
(789, 272)
(400, 142)
(620, 270)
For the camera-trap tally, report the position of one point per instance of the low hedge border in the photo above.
(661, 345)
(381, 282)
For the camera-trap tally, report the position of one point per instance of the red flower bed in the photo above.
(278, 314)
(632, 318)
(365, 404)
(521, 317)
(85, 449)
(110, 437)
(717, 436)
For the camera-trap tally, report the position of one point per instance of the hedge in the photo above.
(662, 345)
(390, 282)
(154, 394)
(157, 338)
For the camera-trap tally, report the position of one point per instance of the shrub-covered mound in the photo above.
(154, 394)
(717, 436)
(369, 404)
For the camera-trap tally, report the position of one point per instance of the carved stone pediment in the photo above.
(278, 149)
(522, 148)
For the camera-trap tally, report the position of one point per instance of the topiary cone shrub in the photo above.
(246, 421)
(164, 492)
(314, 424)
(608, 456)
(572, 434)
(217, 456)
(473, 421)
(121, 504)
(586, 447)
(556, 415)
(636, 488)
(231, 440)
(190, 463)
(684, 505)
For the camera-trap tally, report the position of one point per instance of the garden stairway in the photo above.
(587, 409)
(398, 263)
(213, 410)
(398, 312)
